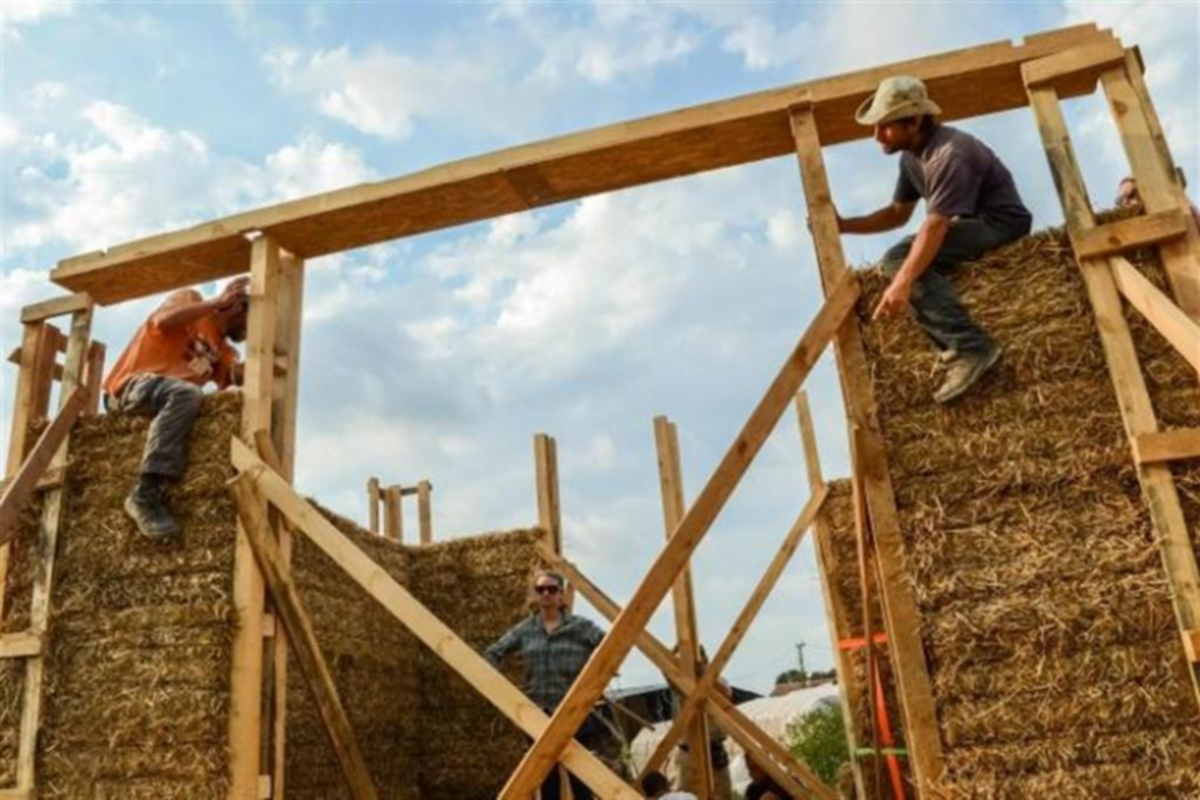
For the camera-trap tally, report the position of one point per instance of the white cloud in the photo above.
(46, 93)
(9, 131)
(14, 13)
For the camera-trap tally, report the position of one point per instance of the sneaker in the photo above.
(946, 356)
(147, 507)
(964, 371)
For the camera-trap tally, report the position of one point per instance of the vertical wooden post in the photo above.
(393, 518)
(545, 454)
(374, 497)
(425, 511)
(699, 773)
(285, 390)
(94, 377)
(246, 679)
(43, 581)
(899, 603)
(848, 684)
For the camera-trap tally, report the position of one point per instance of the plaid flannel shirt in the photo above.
(552, 661)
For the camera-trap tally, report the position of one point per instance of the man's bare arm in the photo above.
(181, 313)
(924, 248)
(885, 219)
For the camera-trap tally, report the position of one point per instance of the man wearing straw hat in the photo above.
(972, 206)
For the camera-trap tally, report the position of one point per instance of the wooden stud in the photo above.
(374, 498)
(1137, 413)
(545, 456)
(849, 687)
(94, 377)
(393, 519)
(1128, 234)
(423, 624)
(20, 645)
(899, 604)
(425, 512)
(1091, 59)
(53, 508)
(302, 638)
(1167, 318)
(21, 487)
(699, 778)
(1149, 448)
(741, 626)
(56, 307)
(607, 657)
(1191, 646)
(780, 764)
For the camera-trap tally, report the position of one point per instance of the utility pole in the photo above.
(800, 652)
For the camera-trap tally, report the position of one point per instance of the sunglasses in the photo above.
(547, 589)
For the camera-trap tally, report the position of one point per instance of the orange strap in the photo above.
(859, 642)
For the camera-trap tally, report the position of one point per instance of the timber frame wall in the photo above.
(271, 244)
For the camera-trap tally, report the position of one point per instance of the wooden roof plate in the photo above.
(966, 83)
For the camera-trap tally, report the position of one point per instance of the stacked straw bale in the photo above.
(1046, 617)
(138, 665)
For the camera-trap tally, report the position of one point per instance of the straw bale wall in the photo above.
(1046, 617)
(137, 671)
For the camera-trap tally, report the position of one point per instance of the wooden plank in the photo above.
(56, 307)
(682, 142)
(1157, 184)
(302, 638)
(849, 686)
(780, 764)
(545, 458)
(698, 777)
(1090, 59)
(53, 509)
(1191, 646)
(393, 519)
(94, 377)
(1134, 71)
(896, 595)
(607, 657)
(425, 511)
(423, 624)
(1129, 385)
(1150, 448)
(258, 393)
(1127, 234)
(374, 498)
(1167, 318)
(18, 491)
(741, 626)
(20, 645)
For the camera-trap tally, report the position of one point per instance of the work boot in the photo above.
(963, 372)
(946, 356)
(146, 505)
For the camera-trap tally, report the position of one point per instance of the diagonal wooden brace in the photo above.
(589, 685)
(708, 681)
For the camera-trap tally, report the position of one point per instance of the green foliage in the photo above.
(790, 676)
(819, 740)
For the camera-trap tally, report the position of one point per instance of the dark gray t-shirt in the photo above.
(958, 175)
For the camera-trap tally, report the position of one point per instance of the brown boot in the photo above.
(964, 371)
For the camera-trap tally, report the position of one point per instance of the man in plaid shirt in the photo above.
(554, 644)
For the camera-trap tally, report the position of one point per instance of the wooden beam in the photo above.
(1128, 234)
(897, 598)
(607, 657)
(780, 764)
(94, 377)
(1167, 318)
(423, 624)
(849, 686)
(1090, 58)
(393, 519)
(374, 498)
(18, 491)
(545, 459)
(1191, 646)
(1129, 385)
(303, 638)
(698, 777)
(741, 626)
(425, 511)
(56, 307)
(20, 645)
(1151, 448)
(682, 142)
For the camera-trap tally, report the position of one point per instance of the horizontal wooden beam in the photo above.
(1127, 234)
(20, 645)
(1159, 310)
(966, 83)
(56, 307)
(1149, 448)
(1088, 59)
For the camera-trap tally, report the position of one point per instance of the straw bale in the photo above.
(1046, 616)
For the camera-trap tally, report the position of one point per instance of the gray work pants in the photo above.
(935, 304)
(173, 403)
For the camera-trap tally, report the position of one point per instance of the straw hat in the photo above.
(898, 97)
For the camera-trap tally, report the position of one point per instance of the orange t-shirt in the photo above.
(196, 352)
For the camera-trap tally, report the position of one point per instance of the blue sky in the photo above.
(439, 357)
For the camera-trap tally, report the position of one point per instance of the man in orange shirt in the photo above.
(161, 374)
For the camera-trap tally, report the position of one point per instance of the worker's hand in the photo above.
(895, 300)
(234, 296)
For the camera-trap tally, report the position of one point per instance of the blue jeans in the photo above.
(935, 304)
